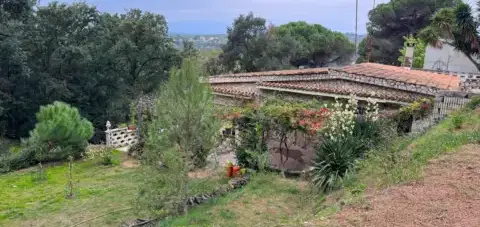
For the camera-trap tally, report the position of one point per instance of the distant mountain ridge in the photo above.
(215, 41)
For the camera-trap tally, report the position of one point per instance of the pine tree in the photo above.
(179, 139)
(60, 132)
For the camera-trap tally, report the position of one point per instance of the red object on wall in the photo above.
(236, 170)
(229, 171)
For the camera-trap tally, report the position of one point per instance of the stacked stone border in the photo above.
(232, 185)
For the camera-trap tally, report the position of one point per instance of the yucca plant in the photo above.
(334, 160)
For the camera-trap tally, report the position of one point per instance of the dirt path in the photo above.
(449, 195)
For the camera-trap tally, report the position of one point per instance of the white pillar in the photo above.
(107, 134)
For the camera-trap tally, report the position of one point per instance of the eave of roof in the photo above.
(330, 92)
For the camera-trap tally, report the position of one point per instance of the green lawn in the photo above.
(98, 190)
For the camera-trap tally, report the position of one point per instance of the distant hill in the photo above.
(351, 37)
(215, 42)
(201, 42)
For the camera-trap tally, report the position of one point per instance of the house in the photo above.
(390, 86)
(448, 59)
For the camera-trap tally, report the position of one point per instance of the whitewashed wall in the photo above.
(121, 137)
(448, 59)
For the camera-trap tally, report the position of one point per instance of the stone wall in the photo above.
(301, 151)
(268, 94)
(251, 87)
(225, 100)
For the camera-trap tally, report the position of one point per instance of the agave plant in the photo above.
(334, 160)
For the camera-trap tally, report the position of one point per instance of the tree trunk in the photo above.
(473, 60)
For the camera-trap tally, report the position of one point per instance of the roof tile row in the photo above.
(234, 91)
(292, 72)
(417, 77)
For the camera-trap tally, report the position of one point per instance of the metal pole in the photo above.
(139, 115)
(356, 29)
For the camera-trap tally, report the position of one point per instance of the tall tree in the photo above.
(244, 45)
(390, 22)
(458, 27)
(180, 137)
(70, 52)
(15, 74)
(316, 45)
(189, 50)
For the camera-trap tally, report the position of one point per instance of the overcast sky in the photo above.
(213, 16)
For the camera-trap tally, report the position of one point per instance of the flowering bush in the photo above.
(418, 109)
(371, 113)
(342, 119)
(104, 155)
(312, 121)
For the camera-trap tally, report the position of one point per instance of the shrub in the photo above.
(474, 103)
(457, 120)
(334, 160)
(341, 120)
(368, 132)
(136, 150)
(60, 132)
(12, 161)
(258, 160)
(104, 155)
(60, 126)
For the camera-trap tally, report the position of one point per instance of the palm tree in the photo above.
(457, 27)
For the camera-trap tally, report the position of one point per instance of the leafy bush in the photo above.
(368, 132)
(60, 132)
(104, 155)
(60, 126)
(457, 120)
(136, 150)
(334, 160)
(258, 160)
(474, 103)
(22, 159)
(252, 145)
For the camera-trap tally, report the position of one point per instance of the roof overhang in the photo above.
(323, 94)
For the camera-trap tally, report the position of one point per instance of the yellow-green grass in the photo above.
(99, 190)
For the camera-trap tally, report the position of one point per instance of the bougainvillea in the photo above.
(312, 121)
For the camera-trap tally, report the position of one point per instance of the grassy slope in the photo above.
(402, 160)
(268, 200)
(98, 190)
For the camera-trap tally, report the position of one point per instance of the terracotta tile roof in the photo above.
(241, 93)
(292, 72)
(400, 74)
(334, 90)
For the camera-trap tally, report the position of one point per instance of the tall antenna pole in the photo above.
(356, 29)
